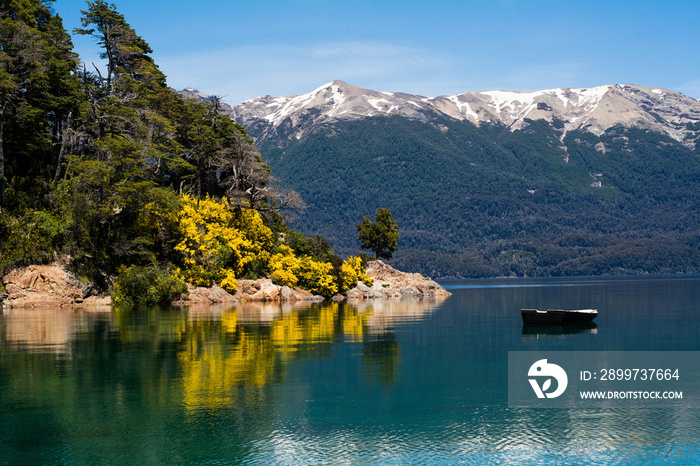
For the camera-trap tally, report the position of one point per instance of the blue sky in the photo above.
(244, 49)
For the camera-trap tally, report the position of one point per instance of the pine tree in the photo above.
(380, 236)
(115, 179)
(38, 94)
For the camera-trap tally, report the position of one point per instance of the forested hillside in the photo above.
(126, 179)
(487, 201)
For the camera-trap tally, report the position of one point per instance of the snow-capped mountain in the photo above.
(573, 188)
(594, 109)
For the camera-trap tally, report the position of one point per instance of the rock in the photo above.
(410, 291)
(257, 290)
(47, 285)
(305, 295)
(202, 295)
(356, 293)
(97, 301)
(263, 289)
(286, 293)
(260, 290)
(391, 283)
(362, 287)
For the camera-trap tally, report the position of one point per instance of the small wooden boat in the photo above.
(557, 316)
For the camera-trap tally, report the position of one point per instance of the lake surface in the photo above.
(386, 382)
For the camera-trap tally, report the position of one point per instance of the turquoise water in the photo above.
(384, 383)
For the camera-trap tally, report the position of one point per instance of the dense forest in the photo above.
(135, 186)
(487, 201)
(131, 183)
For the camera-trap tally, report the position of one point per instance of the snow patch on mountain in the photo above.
(593, 109)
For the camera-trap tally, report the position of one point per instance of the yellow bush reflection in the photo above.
(224, 353)
(221, 356)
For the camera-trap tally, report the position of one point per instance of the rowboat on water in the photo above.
(557, 316)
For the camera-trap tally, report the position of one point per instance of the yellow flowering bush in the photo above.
(229, 282)
(351, 272)
(219, 241)
(284, 267)
(249, 222)
(288, 270)
(317, 277)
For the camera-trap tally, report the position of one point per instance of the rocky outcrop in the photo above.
(391, 283)
(47, 285)
(264, 290)
(387, 283)
(260, 290)
(199, 295)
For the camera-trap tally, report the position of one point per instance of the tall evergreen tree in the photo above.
(380, 236)
(116, 178)
(38, 93)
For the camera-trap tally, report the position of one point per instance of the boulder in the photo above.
(286, 293)
(47, 285)
(263, 289)
(202, 295)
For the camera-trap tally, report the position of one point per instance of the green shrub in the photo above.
(33, 237)
(137, 285)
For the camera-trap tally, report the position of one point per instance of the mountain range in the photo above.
(601, 180)
(594, 109)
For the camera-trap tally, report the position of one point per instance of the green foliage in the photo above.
(461, 191)
(32, 238)
(138, 285)
(102, 165)
(315, 247)
(380, 236)
(38, 93)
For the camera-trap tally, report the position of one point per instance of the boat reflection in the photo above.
(533, 332)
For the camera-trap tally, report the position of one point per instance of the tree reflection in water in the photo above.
(203, 357)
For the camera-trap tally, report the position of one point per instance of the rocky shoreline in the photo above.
(48, 285)
(53, 285)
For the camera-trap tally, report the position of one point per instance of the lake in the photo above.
(384, 382)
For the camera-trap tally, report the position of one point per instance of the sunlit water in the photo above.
(386, 382)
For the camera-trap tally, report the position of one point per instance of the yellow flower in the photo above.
(218, 242)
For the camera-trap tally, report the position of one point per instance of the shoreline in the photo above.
(53, 285)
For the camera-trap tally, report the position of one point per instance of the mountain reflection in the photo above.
(213, 356)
